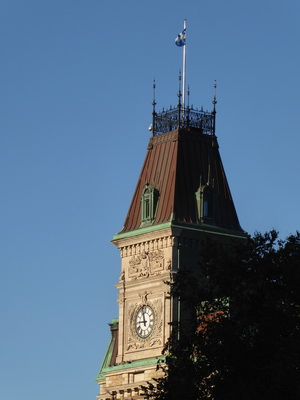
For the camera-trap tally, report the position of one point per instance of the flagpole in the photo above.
(184, 68)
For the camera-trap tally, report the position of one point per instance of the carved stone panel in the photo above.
(146, 264)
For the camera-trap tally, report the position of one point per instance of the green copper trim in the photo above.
(200, 228)
(109, 351)
(142, 231)
(133, 364)
(213, 230)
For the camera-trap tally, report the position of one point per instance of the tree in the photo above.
(241, 336)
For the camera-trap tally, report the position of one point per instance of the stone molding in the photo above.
(132, 391)
(147, 246)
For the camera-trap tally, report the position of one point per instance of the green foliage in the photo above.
(241, 338)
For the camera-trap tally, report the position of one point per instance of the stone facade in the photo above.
(148, 261)
(146, 266)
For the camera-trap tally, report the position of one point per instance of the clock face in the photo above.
(144, 321)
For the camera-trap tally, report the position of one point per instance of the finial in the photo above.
(214, 109)
(179, 100)
(215, 95)
(153, 109)
(208, 174)
(179, 88)
(154, 87)
(179, 84)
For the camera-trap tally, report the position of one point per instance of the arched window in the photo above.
(207, 202)
(205, 205)
(149, 203)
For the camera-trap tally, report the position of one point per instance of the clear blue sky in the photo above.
(75, 106)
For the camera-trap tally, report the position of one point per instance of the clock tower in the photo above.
(182, 196)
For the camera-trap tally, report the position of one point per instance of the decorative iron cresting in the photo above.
(179, 117)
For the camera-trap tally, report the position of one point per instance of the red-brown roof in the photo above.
(177, 163)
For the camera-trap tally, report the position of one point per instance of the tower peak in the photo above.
(182, 118)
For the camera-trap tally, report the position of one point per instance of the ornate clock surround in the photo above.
(134, 341)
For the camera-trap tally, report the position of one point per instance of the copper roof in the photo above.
(177, 163)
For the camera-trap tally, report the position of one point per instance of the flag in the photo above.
(180, 39)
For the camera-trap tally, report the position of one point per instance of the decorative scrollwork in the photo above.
(174, 118)
(134, 342)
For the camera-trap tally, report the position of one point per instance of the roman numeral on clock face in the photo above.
(144, 321)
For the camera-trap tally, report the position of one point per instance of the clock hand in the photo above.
(144, 319)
